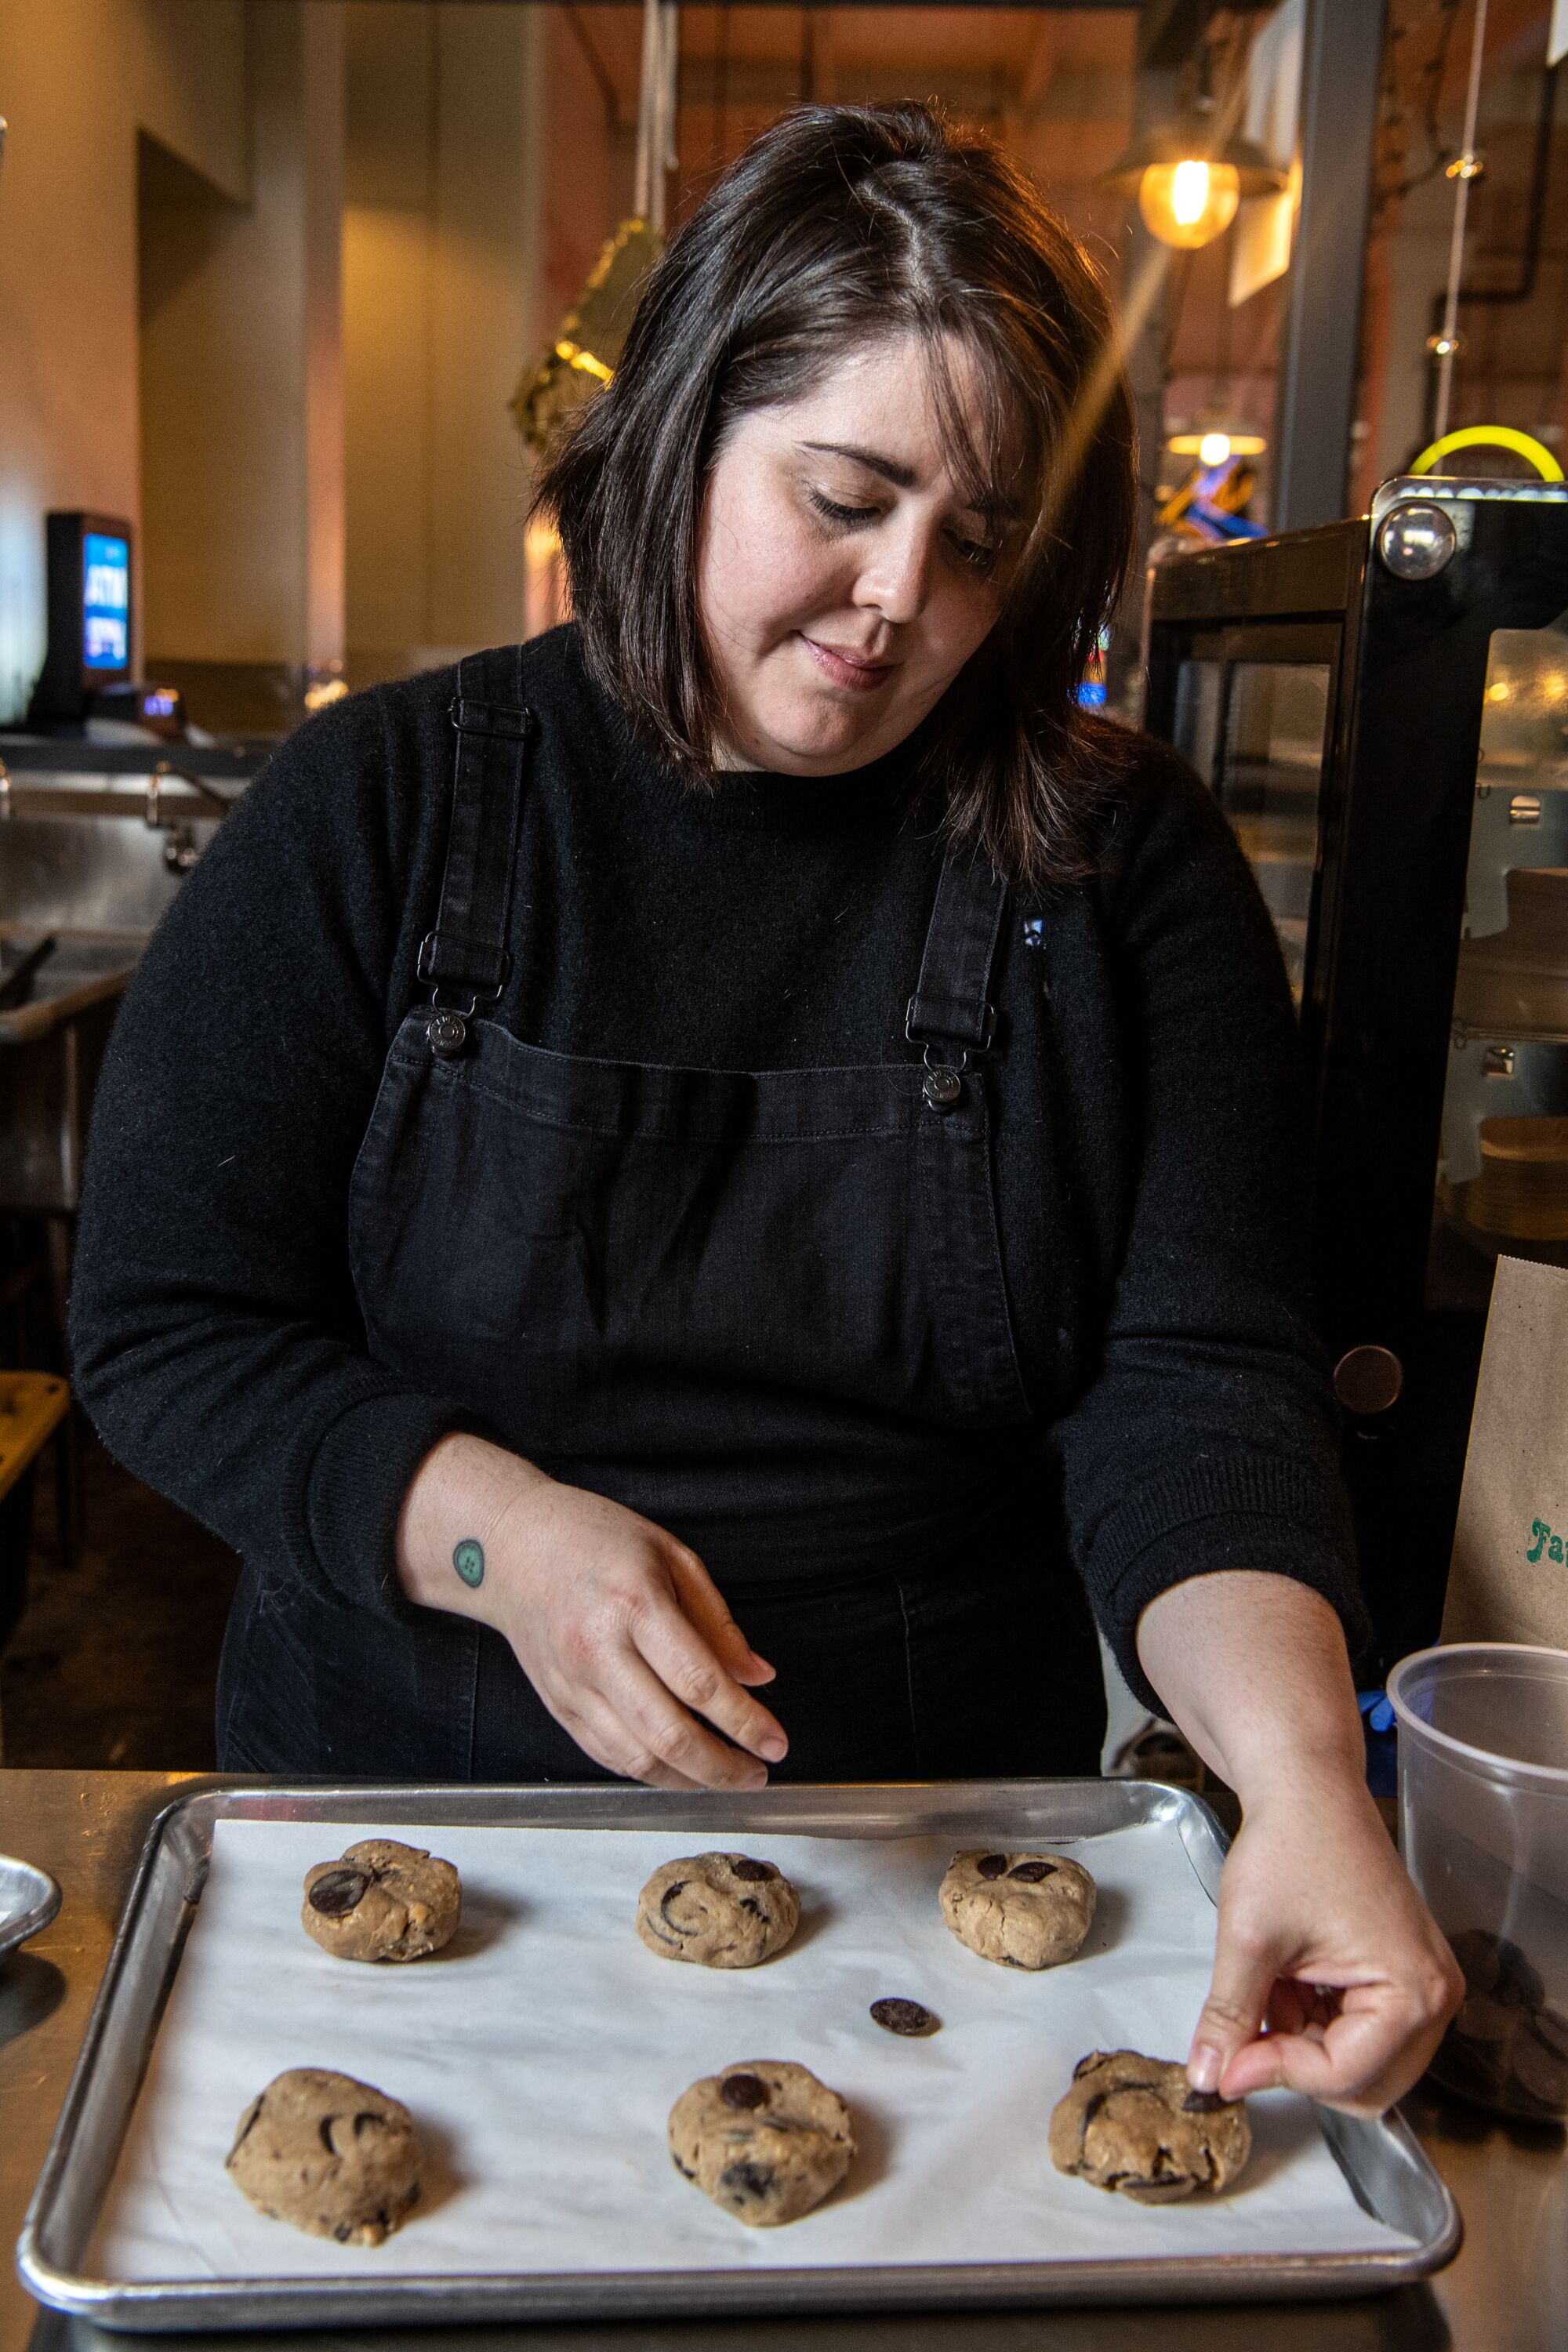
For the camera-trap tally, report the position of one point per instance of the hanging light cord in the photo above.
(1464, 168)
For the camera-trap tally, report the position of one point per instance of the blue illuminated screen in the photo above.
(105, 601)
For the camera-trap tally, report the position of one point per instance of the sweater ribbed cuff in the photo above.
(1275, 1518)
(345, 1541)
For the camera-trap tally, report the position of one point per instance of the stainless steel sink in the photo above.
(50, 1051)
(93, 857)
(77, 854)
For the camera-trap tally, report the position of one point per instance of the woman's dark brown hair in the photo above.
(841, 225)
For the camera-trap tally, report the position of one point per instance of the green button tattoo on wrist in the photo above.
(468, 1559)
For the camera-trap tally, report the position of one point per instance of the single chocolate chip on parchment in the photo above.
(901, 2016)
(744, 2091)
(339, 1893)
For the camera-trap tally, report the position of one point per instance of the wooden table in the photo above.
(1507, 2291)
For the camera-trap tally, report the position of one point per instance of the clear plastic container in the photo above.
(1483, 1809)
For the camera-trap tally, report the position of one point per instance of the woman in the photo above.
(744, 1147)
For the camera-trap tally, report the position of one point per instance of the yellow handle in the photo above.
(1498, 437)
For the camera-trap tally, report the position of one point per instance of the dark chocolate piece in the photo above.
(747, 2178)
(744, 1867)
(1029, 1874)
(992, 1865)
(1476, 1952)
(901, 2016)
(1541, 2073)
(744, 2091)
(666, 1899)
(1203, 2102)
(1551, 2026)
(1519, 1983)
(1484, 2017)
(339, 1893)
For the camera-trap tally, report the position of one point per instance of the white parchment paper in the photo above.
(541, 2052)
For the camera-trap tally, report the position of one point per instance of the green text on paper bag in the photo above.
(1509, 1577)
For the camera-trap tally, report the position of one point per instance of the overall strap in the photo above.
(952, 1004)
(466, 950)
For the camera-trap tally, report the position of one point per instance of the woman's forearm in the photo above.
(445, 1532)
(1252, 1669)
(1328, 1976)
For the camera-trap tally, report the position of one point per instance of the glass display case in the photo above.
(1502, 1175)
(1256, 731)
(1381, 707)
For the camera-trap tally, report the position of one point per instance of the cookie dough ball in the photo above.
(1022, 1910)
(334, 2156)
(765, 2140)
(382, 1901)
(721, 1910)
(1136, 2124)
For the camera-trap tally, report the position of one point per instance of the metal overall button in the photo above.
(943, 1085)
(448, 1033)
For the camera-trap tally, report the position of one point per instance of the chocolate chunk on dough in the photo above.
(765, 2140)
(382, 1901)
(1136, 2124)
(333, 2156)
(1022, 1910)
(721, 1910)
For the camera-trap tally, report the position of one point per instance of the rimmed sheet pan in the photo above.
(542, 2053)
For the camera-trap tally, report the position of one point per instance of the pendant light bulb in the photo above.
(1189, 203)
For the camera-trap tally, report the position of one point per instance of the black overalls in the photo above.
(765, 1310)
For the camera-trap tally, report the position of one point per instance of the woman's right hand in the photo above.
(617, 1625)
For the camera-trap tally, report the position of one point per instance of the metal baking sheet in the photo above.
(1388, 2175)
(28, 1901)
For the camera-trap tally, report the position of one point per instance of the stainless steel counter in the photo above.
(1507, 2291)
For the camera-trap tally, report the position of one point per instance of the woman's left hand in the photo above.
(1324, 1941)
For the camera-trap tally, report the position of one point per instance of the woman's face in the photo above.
(843, 579)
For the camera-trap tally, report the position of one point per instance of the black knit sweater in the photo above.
(1147, 1151)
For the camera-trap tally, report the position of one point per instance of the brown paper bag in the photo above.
(1508, 1580)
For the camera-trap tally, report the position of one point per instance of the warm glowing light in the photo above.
(576, 356)
(1197, 445)
(1189, 194)
(541, 543)
(1190, 203)
(1500, 692)
(1554, 685)
(324, 692)
(1214, 448)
